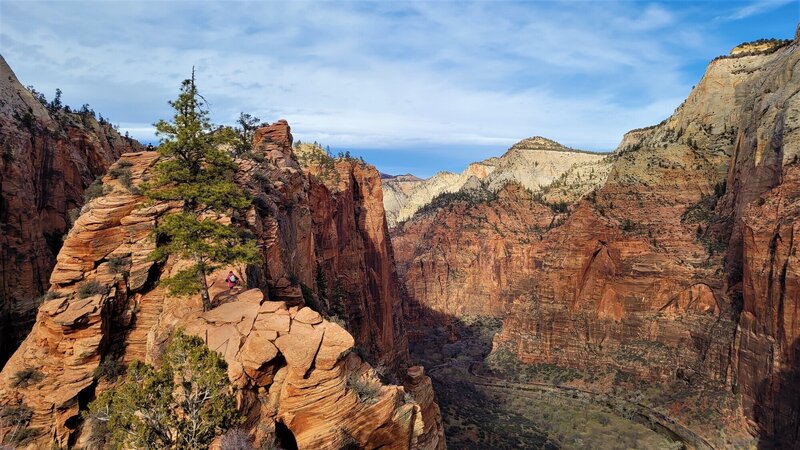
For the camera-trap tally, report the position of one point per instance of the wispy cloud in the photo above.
(755, 8)
(445, 75)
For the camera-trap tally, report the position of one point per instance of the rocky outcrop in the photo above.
(49, 156)
(647, 274)
(536, 163)
(293, 368)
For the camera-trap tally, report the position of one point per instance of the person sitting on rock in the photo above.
(232, 280)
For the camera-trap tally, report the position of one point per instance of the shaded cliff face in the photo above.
(535, 163)
(647, 274)
(341, 256)
(356, 262)
(290, 365)
(49, 158)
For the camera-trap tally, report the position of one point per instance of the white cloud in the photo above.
(377, 75)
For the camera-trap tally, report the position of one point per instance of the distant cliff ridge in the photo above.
(534, 163)
(50, 155)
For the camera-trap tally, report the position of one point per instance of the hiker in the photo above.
(232, 280)
(150, 147)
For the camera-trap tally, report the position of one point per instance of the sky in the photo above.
(413, 87)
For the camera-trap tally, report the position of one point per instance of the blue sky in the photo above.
(411, 86)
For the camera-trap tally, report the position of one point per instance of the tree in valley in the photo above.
(195, 169)
(183, 404)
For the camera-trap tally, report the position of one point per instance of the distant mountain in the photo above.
(534, 163)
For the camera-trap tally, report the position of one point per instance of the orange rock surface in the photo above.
(49, 158)
(290, 366)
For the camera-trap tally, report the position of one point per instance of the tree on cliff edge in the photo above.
(195, 169)
(183, 404)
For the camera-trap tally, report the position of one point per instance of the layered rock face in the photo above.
(534, 163)
(49, 158)
(648, 272)
(291, 367)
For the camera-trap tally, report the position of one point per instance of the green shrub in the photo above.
(125, 177)
(367, 392)
(629, 226)
(118, 264)
(22, 434)
(189, 394)
(91, 288)
(124, 163)
(15, 415)
(93, 191)
(110, 369)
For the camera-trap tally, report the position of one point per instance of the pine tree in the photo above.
(195, 169)
(183, 404)
(55, 104)
(245, 132)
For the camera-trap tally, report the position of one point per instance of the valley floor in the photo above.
(485, 405)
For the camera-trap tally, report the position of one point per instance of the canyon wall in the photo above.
(292, 366)
(49, 156)
(678, 270)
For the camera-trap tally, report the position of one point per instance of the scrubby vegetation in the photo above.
(183, 404)
(90, 288)
(366, 391)
(704, 214)
(26, 377)
(122, 173)
(17, 418)
(502, 416)
(110, 369)
(313, 155)
(469, 197)
(94, 190)
(770, 46)
(505, 364)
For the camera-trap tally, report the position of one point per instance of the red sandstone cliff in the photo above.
(354, 255)
(645, 276)
(49, 158)
(289, 364)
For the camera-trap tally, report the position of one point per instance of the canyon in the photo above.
(654, 288)
(669, 282)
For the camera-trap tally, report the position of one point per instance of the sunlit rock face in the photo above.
(48, 158)
(291, 367)
(534, 163)
(679, 266)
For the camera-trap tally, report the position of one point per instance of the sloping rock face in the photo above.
(291, 367)
(535, 163)
(48, 158)
(677, 270)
